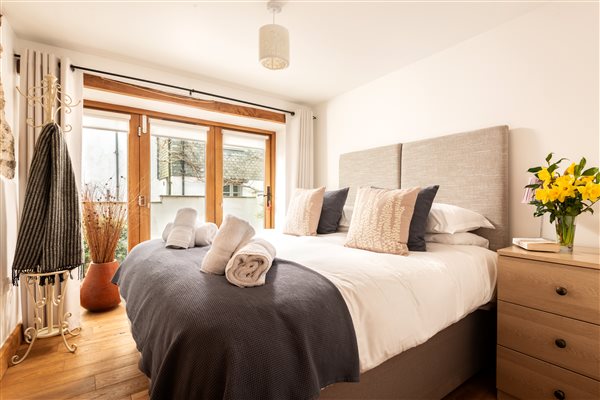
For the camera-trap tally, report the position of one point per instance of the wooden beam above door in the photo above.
(98, 105)
(114, 86)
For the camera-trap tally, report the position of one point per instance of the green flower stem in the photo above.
(565, 230)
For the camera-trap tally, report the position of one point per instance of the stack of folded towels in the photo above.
(235, 253)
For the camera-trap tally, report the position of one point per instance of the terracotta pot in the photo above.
(97, 292)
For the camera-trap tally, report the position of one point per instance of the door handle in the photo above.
(142, 201)
(268, 196)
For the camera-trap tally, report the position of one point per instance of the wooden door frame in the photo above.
(218, 151)
(133, 179)
(138, 166)
(270, 162)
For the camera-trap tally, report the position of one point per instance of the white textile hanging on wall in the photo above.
(305, 149)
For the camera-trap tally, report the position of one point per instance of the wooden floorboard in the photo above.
(105, 366)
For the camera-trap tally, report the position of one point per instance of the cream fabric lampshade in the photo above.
(274, 46)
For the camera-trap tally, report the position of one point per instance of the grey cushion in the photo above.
(416, 235)
(331, 213)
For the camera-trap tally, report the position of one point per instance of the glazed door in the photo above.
(104, 159)
(246, 190)
(178, 176)
(158, 163)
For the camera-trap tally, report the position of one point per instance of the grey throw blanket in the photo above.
(50, 231)
(203, 338)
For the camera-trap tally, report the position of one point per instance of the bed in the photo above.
(423, 324)
(472, 170)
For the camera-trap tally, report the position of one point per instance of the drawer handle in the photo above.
(560, 343)
(560, 395)
(561, 291)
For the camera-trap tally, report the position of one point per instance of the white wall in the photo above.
(537, 73)
(10, 311)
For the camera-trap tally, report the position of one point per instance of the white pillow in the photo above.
(446, 218)
(467, 238)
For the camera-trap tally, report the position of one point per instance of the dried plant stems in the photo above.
(103, 220)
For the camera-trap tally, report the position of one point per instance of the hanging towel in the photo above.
(182, 234)
(249, 265)
(49, 236)
(233, 234)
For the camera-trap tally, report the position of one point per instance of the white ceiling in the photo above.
(335, 46)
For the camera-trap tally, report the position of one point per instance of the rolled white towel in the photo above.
(182, 234)
(249, 265)
(204, 233)
(233, 233)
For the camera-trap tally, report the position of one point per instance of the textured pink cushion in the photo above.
(304, 211)
(381, 219)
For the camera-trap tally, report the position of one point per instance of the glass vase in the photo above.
(565, 232)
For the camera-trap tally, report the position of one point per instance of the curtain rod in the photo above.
(190, 91)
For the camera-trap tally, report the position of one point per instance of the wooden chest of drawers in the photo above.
(548, 325)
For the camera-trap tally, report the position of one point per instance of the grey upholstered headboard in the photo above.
(376, 167)
(471, 169)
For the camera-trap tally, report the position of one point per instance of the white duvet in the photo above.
(396, 302)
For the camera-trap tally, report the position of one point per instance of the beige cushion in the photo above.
(381, 219)
(304, 211)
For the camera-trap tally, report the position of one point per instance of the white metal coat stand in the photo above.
(47, 300)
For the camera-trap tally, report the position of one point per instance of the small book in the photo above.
(537, 244)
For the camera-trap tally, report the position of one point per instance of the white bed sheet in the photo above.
(396, 302)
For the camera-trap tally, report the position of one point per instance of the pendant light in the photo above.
(274, 42)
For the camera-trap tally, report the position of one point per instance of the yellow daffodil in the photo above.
(563, 188)
(594, 191)
(583, 180)
(544, 175)
(584, 192)
(591, 191)
(543, 195)
(554, 193)
(565, 180)
(563, 194)
(570, 170)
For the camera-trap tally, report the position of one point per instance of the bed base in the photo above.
(432, 369)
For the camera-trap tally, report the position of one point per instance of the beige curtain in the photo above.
(305, 148)
(34, 66)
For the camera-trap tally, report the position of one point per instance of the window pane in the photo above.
(244, 176)
(104, 160)
(178, 171)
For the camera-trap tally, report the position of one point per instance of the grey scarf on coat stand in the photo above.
(49, 238)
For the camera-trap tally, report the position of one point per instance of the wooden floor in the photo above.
(105, 367)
